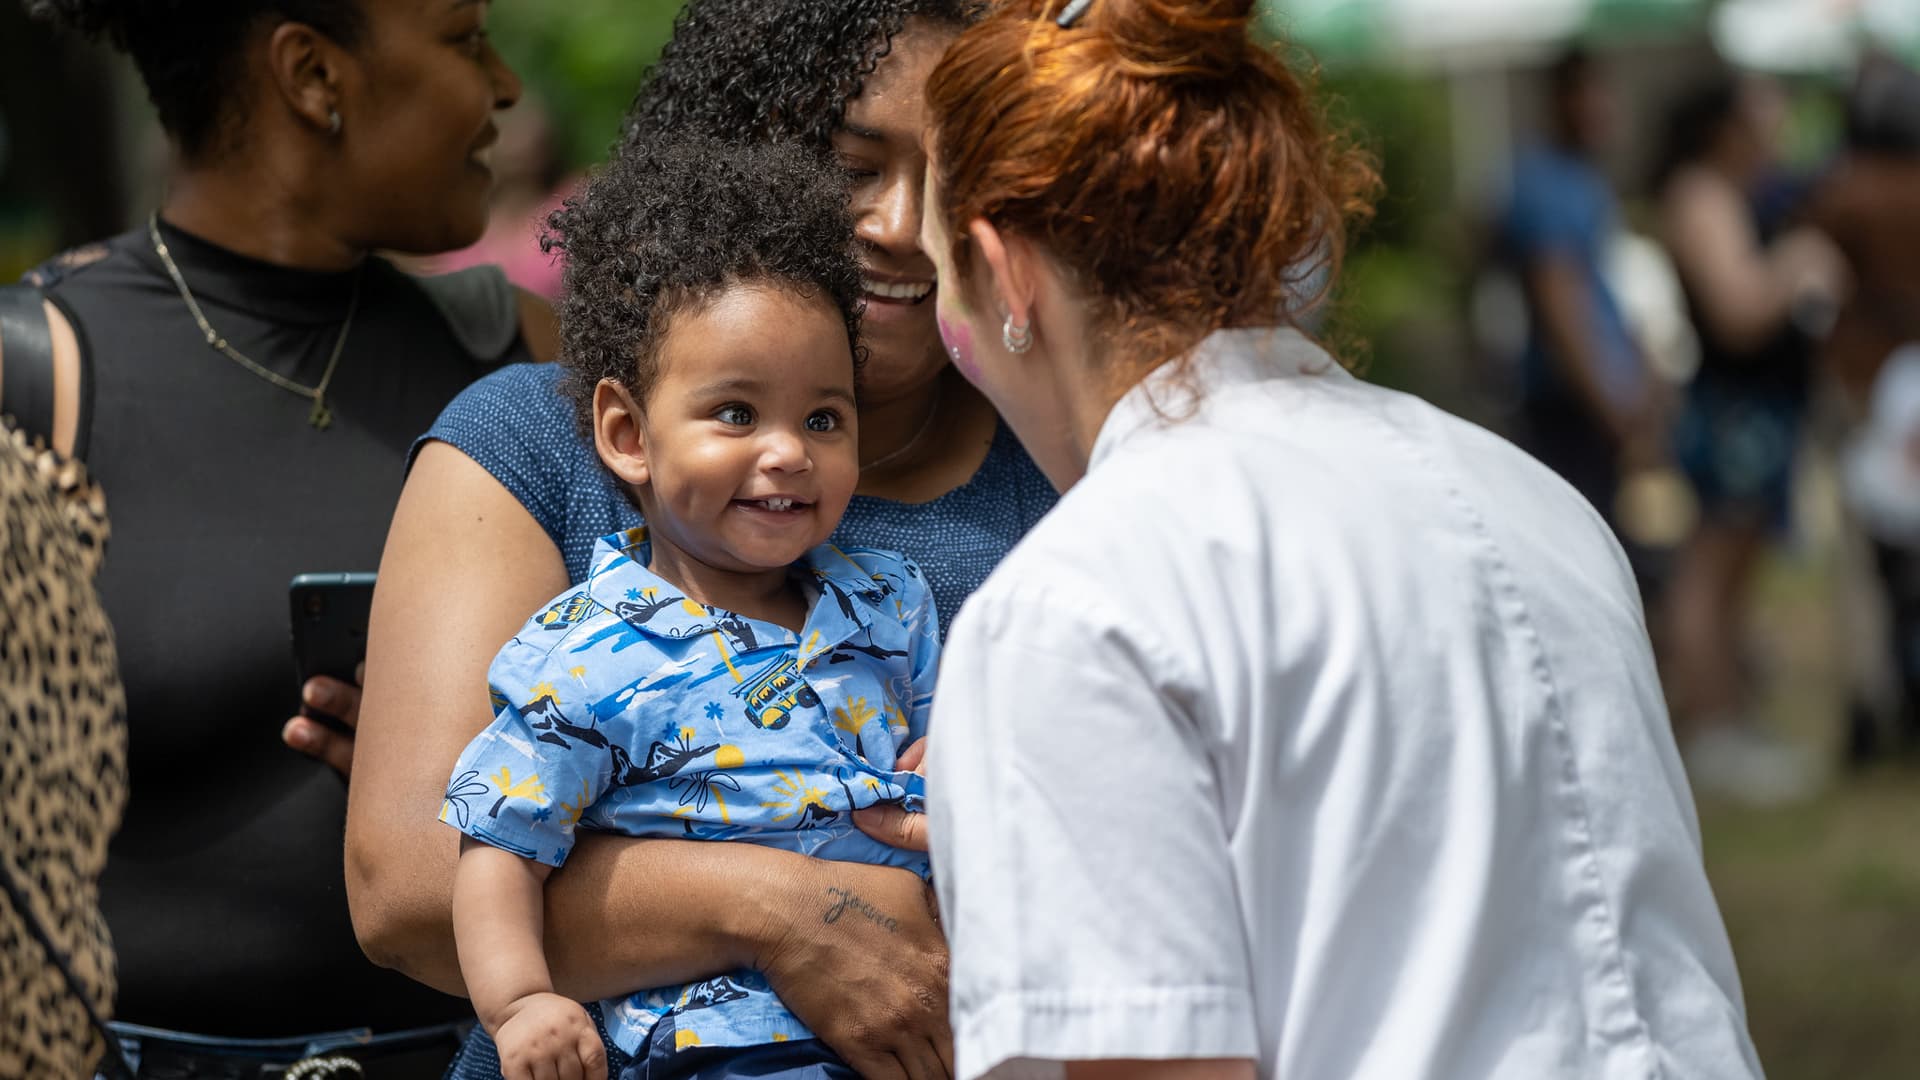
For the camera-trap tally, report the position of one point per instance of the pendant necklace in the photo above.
(320, 416)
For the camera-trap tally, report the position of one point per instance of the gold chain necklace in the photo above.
(321, 416)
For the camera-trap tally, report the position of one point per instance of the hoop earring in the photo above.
(1017, 337)
(333, 121)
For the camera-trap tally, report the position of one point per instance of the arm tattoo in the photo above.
(845, 900)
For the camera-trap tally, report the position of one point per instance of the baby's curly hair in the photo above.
(669, 224)
(771, 70)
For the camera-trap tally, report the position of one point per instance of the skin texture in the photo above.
(959, 341)
(629, 912)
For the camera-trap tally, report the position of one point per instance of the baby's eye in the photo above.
(738, 415)
(823, 421)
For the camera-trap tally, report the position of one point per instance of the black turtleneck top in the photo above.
(224, 889)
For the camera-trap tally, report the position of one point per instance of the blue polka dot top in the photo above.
(517, 426)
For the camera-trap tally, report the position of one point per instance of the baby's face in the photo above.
(749, 429)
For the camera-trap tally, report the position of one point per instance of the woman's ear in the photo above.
(1010, 269)
(307, 69)
(619, 432)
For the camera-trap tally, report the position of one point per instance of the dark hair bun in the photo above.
(94, 18)
(1205, 39)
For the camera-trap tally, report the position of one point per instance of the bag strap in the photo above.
(26, 361)
(113, 1061)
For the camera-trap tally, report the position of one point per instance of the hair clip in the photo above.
(1072, 13)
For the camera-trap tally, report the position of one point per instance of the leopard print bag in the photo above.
(63, 772)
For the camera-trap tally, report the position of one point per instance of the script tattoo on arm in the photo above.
(845, 900)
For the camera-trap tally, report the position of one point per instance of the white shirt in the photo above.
(1320, 728)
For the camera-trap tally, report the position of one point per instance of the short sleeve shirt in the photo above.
(1320, 728)
(628, 707)
(1562, 206)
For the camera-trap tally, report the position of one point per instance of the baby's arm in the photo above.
(497, 917)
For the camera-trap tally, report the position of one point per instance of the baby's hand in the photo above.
(548, 1037)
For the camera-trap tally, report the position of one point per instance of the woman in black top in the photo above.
(244, 379)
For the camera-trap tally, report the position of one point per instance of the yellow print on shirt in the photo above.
(570, 813)
(807, 803)
(854, 716)
(530, 788)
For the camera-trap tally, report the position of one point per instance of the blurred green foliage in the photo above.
(1401, 267)
(583, 60)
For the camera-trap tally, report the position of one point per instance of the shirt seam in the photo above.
(1614, 965)
(1236, 1034)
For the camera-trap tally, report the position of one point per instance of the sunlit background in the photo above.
(1822, 896)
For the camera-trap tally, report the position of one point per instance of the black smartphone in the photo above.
(329, 619)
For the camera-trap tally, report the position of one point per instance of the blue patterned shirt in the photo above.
(628, 707)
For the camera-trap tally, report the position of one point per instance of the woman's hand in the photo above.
(863, 964)
(339, 700)
(890, 824)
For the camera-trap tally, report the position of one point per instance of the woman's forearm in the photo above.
(686, 910)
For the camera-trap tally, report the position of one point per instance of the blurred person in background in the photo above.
(1588, 404)
(243, 377)
(1870, 204)
(63, 766)
(1760, 297)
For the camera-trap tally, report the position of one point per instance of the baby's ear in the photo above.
(619, 433)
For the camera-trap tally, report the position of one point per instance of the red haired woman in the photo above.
(1316, 733)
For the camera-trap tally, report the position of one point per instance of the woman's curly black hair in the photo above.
(769, 70)
(666, 226)
(191, 52)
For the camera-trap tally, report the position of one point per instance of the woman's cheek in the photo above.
(958, 338)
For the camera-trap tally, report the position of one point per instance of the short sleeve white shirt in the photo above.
(1318, 727)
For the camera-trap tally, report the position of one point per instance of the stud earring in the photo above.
(333, 121)
(1017, 337)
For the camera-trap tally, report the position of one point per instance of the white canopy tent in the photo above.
(1814, 36)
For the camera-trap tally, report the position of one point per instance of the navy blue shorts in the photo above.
(1737, 443)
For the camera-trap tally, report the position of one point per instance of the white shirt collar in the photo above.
(1226, 358)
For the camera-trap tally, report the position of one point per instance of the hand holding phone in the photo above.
(329, 623)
